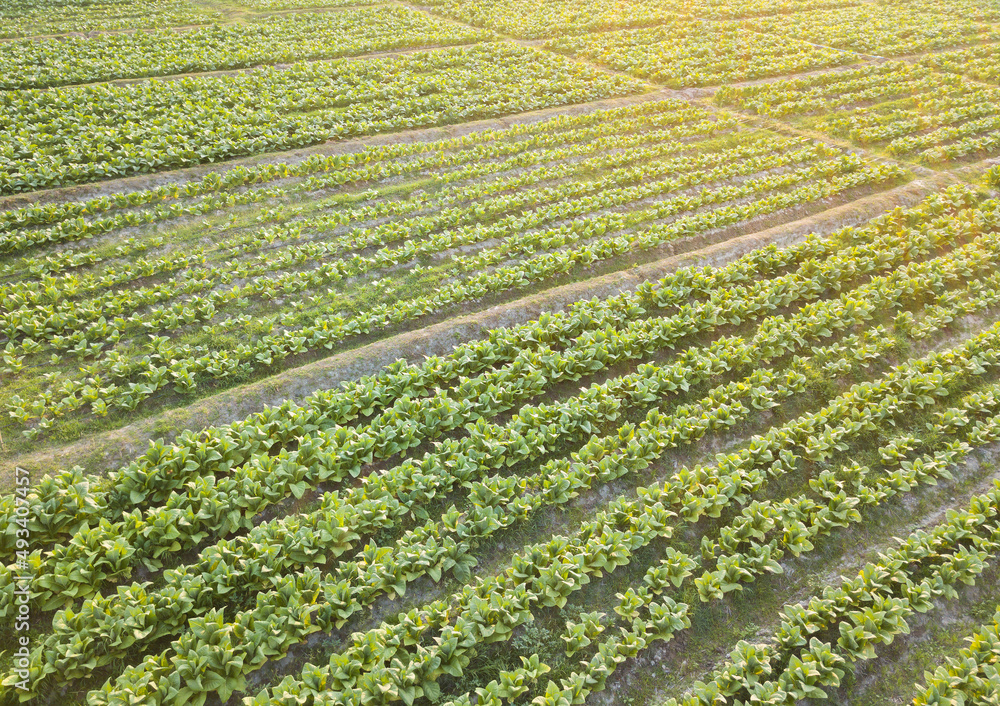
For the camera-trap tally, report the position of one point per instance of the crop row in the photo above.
(836, 91)
(965, 9)
(178, 526)
(549, 580)
(73, 325)
(45, 324)
(434, 549)
(339, 461)
(50, 324)
(298, 4)
(533, 20)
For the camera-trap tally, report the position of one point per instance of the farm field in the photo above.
(898, 109)
(27, 18)
(454, 353)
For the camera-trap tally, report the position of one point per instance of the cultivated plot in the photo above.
(267, 5)
(20, 18)
(103, 327)
(879, 30)
(684, 492)
(81, 134)
(849, 342)
(33, 63)
(981, 63)
(533, 19)
(908, 111)
(985, 11)
(697, 53)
